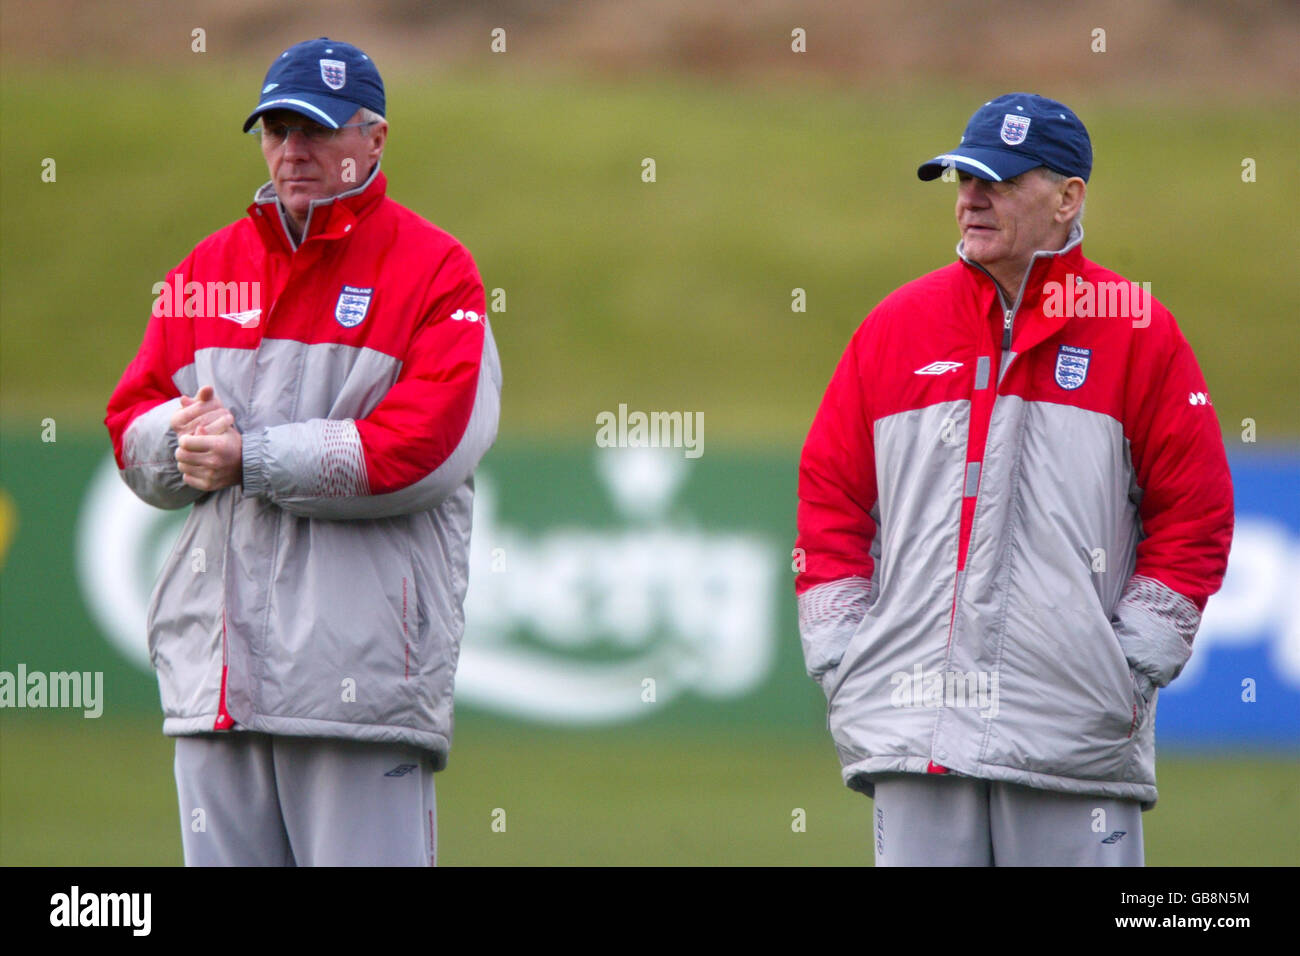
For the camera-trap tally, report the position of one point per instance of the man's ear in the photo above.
(1072, 192)
(378, 138)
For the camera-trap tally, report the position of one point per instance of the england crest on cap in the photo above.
(1014, 129)
(334, 73)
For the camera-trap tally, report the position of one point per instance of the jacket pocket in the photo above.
(1067, 694)
(1144, 692)
(1135, 704)
(833, 677)
(410, 627)
(403, 652)
(338, 642)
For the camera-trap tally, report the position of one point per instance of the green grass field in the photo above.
(91, 793)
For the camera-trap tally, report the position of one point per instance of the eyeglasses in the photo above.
(277, 133)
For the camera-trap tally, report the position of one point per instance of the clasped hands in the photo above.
(210, 450)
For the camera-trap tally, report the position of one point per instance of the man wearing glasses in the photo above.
(318, 390)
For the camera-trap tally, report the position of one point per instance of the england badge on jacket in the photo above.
(1071, 366)
(352, 306)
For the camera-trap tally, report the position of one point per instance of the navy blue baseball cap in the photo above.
(1014, 133)
(325, 80)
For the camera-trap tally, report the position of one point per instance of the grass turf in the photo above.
(100, 792)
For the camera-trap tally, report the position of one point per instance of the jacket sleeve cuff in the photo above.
(1155, 626)
(829, 615)
(256, 478)
(149, 452)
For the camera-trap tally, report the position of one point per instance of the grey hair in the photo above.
(370, 116)
(1052, 175)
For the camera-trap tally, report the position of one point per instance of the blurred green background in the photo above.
(673, 294)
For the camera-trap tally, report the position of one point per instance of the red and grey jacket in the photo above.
(1010, 517)
(361, 371)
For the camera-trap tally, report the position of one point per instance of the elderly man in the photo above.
(317, 384)
(1014, 503)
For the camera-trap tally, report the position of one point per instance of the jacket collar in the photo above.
(1035, 327)
(330, 218)
(1040, 265)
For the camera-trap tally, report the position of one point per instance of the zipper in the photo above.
(224, 721)
(1008, 314)
(1011, 312)
(1008, 323)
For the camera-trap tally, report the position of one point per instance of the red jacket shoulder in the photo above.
(1151, 316)
(422, 237)
(920, 293)
(898, 312)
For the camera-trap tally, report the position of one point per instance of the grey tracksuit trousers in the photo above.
(252, 799)
(950, 820)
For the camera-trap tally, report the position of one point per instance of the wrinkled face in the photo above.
(315, 165)
(1004, 223)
